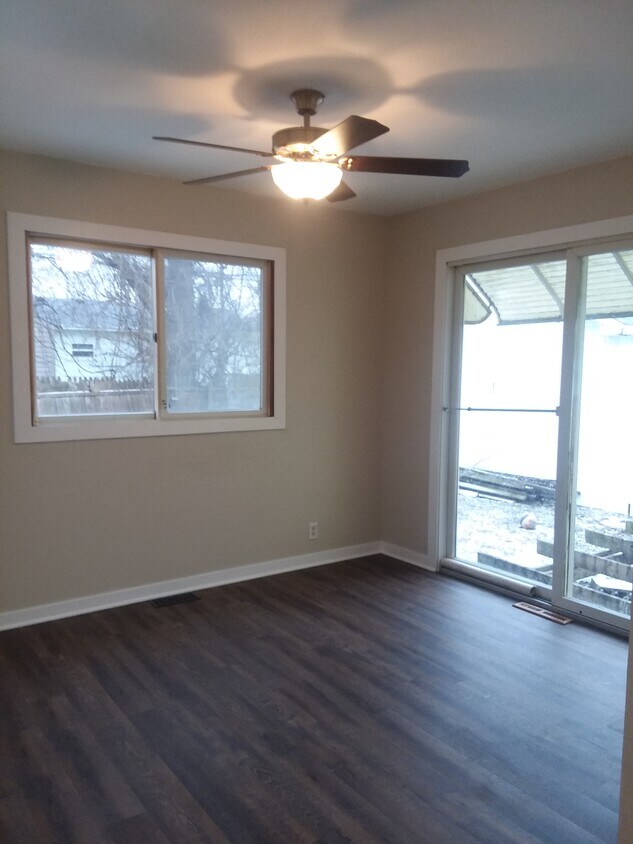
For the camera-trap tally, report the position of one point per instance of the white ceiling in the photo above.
(520, 88)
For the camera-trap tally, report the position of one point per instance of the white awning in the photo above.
(535, 292)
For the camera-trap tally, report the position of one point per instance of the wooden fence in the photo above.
(80, 396)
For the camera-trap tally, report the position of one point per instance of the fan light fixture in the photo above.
(306, 179)
(312, 159)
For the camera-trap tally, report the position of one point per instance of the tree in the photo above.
(213, 333)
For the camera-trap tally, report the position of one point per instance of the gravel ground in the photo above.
(494, 527)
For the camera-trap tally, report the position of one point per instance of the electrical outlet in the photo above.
(313, 530)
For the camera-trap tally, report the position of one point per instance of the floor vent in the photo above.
(543, 613)
(172, 600)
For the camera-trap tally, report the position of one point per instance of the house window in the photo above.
(83, 294)
(122, 333)
(83, 350)
(214, 326)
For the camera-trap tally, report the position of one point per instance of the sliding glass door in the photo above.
(541, 409)
(597, 539)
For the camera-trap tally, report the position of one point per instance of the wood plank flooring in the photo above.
(360, 702)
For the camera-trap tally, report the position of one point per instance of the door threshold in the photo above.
(516, 591)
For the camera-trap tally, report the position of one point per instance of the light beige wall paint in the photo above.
(79, 518)
(578, 196)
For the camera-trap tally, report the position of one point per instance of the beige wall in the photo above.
(79, 518)
(577, 196)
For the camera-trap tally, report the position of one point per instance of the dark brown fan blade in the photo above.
(341, 193)
(228, 175)
(212, 146)
(352, 132)
(450, 168)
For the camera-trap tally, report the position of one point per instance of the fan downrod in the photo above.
(295, 141)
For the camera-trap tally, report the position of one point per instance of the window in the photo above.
(214, 326)
(119, 333)
(83, 350)
(86, 297)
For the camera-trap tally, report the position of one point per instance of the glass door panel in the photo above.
(511, 349)
(600, 559)
(505, 506)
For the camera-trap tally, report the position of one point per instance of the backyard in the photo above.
(490, 533)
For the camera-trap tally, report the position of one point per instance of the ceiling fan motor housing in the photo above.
(295, 141)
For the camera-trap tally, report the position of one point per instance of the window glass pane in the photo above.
(601, 556)
(213, 335)
(93, 348)
(508, 428)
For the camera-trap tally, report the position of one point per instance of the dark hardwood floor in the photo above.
(361, 702)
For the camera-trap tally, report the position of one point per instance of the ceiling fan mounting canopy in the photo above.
(309, 155)
(306, 101)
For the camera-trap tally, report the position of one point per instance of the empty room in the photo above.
(316, 511)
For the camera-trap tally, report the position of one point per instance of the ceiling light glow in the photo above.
(306, 179)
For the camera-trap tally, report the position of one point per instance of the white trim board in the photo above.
(206, 580)
(406, 555)
(564, 237)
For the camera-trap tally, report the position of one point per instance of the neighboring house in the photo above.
(84, 339)
(87, 345)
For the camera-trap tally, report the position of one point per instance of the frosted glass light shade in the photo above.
(306, 179)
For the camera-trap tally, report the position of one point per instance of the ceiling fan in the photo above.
(310, 162)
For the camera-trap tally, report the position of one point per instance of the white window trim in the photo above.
(20, 225)
(446, 261)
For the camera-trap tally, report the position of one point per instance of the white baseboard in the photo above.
(147, 592)
(408, 556)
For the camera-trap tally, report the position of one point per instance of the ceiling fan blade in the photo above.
(233, 175)
(341, 193)
(451, 168)
(352, 132)
(212, 146)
